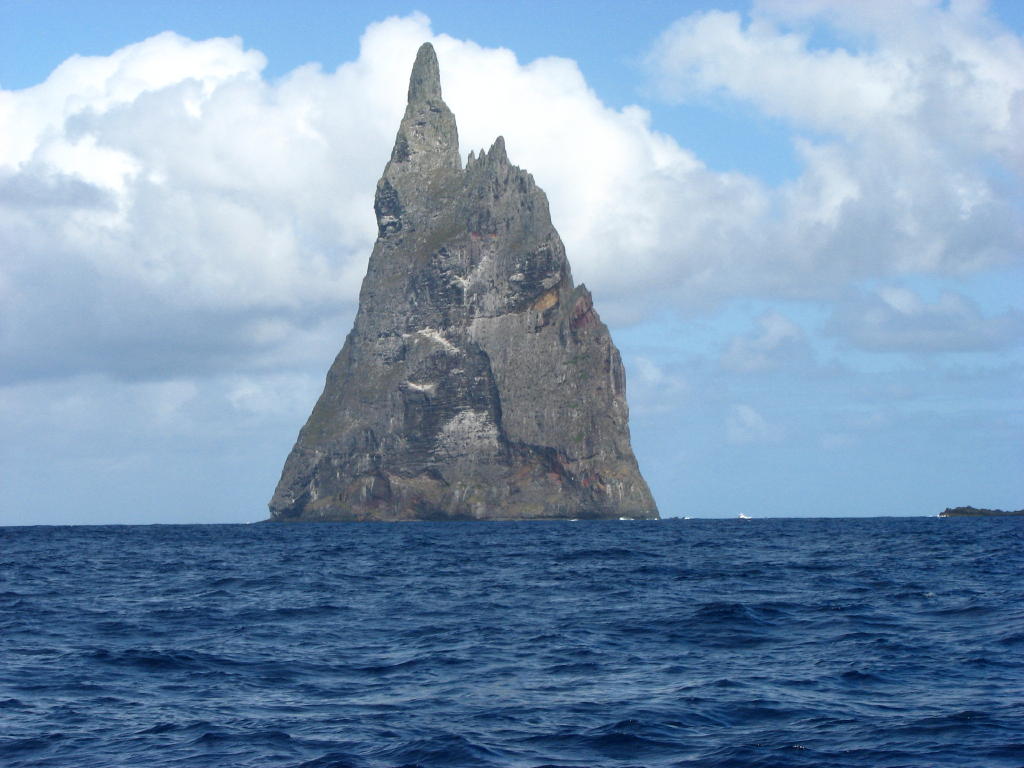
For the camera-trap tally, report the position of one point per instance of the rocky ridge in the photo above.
(478, 381)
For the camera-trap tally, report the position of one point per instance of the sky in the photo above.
(802, 220)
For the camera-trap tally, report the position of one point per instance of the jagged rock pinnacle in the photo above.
(497, 152)
(427, 137)
(425, 161)
(425, 81)
(478, 381)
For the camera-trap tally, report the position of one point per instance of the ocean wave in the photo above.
(848, 644)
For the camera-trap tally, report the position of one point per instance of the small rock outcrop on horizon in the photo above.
(478, 381)
(975, 512)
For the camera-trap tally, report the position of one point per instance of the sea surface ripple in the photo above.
(869, 643)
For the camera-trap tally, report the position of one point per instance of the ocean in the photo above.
(868, 643)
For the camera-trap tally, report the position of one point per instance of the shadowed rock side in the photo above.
(477, 382)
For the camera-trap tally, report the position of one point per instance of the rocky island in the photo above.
(478, 381)
(974, 512)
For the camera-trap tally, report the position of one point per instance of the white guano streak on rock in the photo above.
(428, 388)
(434, 335)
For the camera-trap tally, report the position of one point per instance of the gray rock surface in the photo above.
(477, 382)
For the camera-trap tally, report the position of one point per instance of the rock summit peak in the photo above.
(425, 80)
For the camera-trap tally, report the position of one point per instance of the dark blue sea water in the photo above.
(864, 643)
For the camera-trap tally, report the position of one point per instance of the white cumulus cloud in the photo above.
(910, 137)
(166, 210)
(168, 196)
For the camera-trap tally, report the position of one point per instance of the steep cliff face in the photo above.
(477, 382)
